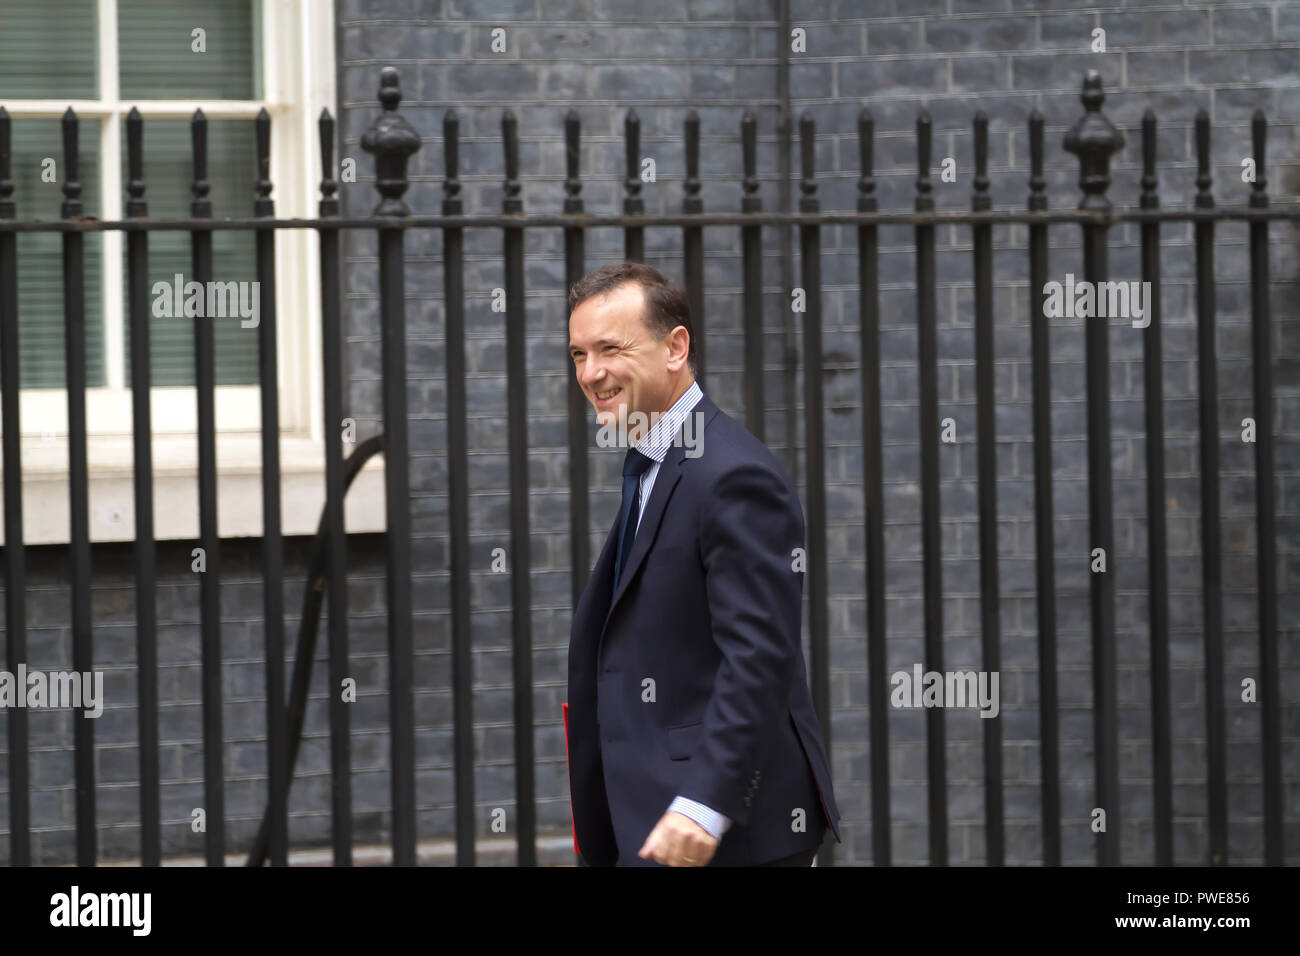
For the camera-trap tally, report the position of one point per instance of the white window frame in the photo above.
(298, 80)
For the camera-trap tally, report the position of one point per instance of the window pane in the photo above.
(40, 254)
(47, 50)
(168, 173)
(156, 54)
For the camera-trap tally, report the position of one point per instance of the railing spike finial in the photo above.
(263, 205)
(512, 203)
(866, 161)
(390, 89)
(1258, 138)
(633, 203)
(200, 205)
(750, 201)
(391, 140)
(632, 138)
(1150, 181)
(1204, 178)
(572, 164)
(1037, 184)
(924, 188)
(1094, 139)
(1093, 95)
(451, 201)
(7, 206)
(808, 202)
(981, 201)
(691, 200)
(329, 186)
(135, 205)
(72, 207)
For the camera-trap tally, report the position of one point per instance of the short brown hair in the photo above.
(666, 303)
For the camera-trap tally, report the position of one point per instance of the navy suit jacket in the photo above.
(708, 609)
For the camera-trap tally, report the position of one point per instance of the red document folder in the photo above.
(564, 707)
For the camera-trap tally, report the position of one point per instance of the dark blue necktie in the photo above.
(634, 465)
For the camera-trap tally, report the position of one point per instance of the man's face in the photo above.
(617, 359)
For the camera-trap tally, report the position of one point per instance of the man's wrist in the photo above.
(711, 820)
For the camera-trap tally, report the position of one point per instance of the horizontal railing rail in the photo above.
(1079, 217)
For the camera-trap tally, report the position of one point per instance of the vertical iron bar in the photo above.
(1094, 139)
(987, 468)
(932, 567)
(15, 552)
(1102, 535)
(392, 140)
(517, 425)
(810, 266)
(277, 731)
(74, 326)
(574, 266)
(1044, 532)
(873, 490)
(209, 539)
(751, 241)
(1211, 561)
(462, 660)
(146, 633)
(633, 204)
(693, 242)
(336, 568)
(1157, 534)
(785, 202)
(1265, 508)
(397, 492)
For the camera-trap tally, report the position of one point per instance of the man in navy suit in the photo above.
(692, 738)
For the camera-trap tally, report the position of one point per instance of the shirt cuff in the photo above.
(710, 819)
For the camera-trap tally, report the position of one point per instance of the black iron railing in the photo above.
(392, 141)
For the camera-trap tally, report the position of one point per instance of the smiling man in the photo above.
(692, 738)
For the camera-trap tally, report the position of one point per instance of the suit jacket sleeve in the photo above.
(750, 523)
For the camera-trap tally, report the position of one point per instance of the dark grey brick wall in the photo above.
(243, 685)
(721, 57)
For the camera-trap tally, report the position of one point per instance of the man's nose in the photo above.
(591, 372)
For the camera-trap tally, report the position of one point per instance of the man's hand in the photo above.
(677, 840)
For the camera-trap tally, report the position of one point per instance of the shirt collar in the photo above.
(656, 442)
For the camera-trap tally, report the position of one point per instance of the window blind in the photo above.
(41, 354)
(47, 50)
(168, 173)
(156, 56)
